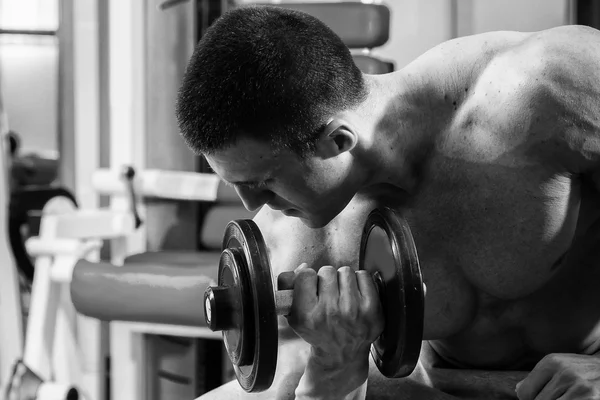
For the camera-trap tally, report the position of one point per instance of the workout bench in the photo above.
(132, 296)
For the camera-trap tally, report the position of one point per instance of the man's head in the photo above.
(267, 81)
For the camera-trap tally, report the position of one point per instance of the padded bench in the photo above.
(164, 291)
(138, 290)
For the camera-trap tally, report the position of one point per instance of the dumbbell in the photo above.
(245, 306)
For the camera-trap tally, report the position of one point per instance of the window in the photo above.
(29, 72)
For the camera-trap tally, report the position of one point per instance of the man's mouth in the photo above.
(290, 212)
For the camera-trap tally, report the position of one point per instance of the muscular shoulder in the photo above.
(554, 59)
(572, 46)
(542, 92)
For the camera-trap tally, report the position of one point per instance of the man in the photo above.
(488, 145)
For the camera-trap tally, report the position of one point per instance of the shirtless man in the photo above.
(489, 146)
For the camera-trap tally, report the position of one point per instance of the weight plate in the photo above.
(244, 237)
(388, 252)
(238, 327)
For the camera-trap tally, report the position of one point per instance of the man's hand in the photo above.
(564, 377)
(338, 312)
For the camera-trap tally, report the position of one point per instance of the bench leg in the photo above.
(127, 360)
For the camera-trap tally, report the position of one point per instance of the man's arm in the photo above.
(290, 243)
(319, 382)
(291, 362)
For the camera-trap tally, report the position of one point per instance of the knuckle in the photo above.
(305, 273)
(363, 273)
(348, 310)
(553, 360)
(364, 277)
(345, 271)
(326, 270)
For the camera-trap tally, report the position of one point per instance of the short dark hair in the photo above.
(267, 72)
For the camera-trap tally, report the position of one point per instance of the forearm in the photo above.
(321, 382)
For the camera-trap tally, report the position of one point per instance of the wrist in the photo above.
(327, 379)
(332, 361)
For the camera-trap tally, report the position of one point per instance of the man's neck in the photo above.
(403, 117)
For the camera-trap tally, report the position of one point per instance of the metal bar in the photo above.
(453, 19)
(28, 32)
(66, 95)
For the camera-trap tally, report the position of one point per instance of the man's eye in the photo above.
(260, 185)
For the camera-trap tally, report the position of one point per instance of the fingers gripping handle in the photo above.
(285, 284)
(222, 305)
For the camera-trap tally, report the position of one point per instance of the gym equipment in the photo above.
(128, 175)
(45, 368)
(33, 170)
(245, 307)
(30, 169)
(27, 385)
(362, 25)
(59, 235)
(100, 289)
(26, 205)
(388, 251)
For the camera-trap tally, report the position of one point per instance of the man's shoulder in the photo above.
(562, 49)
(542, 91)
(496, 57)
(541, 67)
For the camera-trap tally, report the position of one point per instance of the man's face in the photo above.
(312, 189)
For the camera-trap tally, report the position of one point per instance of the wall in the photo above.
(518, 15)
(29, 72)
(418, 25)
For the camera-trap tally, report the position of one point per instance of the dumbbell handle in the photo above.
(221, 303)
(222, 306)
(283, 301)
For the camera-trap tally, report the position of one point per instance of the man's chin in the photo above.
(314, 223)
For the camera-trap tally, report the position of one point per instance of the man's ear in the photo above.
(337, 137)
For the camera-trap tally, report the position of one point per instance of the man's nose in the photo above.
(253, 199)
